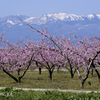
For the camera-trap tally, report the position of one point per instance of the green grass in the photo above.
(13, 94)
(60, 80)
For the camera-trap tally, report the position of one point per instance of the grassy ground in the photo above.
(60, 80)
(13, 94)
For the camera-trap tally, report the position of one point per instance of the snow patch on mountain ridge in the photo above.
(43, 19)
(11, 22)
(59, 16)
(65, 16)
(98, 15)
(90, 16)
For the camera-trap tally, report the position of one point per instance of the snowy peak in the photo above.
(43, 19)
(90, 16)
(72, 17)
(46, 18)
(37, 20)
(81, 25)
(98, 15)
(53, 17)
(12, 20)
(65, 16)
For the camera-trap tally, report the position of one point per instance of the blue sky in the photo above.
(35, 8)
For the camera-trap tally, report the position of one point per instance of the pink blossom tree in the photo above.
(14, 58)
(88, 56)
(45, 55)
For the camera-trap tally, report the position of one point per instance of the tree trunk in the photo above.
(71, 68)
(82, 83)
(96, 71)
(98, 74)
(10, 75)
(92, 73)
(50, 74)
(71, 71)
(38, 67)
(83, 80)
(18, 71)
(58, 69)
(39, 70)
(19, 79)
(72, 75)
(91, 64)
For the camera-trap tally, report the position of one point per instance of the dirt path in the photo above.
(78, 91)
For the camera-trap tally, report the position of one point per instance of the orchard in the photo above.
(52, 52)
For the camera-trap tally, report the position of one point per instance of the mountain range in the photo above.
(57, 24)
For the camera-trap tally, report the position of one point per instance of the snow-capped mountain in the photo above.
(60, 16)
(57, 24)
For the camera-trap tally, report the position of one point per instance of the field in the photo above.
(61, 80)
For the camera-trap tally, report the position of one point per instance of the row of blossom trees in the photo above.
(82, 56)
